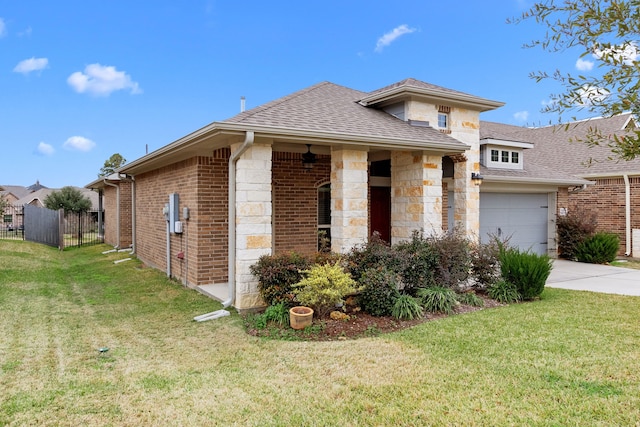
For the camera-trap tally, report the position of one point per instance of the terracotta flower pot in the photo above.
(300, 317)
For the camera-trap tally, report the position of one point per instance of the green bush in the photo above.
(470, 298)
(572, 230)
(406, 307)
(277, 273)
(373, 254)
(437, 299)
(601, 248)
(278, 314)
(453, 251)
(324, 287)
(526, 270)
(379, 291)
(418, 261)
(504, 292)
(485, 263)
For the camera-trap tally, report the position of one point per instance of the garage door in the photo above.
(522, 217)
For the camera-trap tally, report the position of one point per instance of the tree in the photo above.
(112, 164)
(68, 198)
(606, 33)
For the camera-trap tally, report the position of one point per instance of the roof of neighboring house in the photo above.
(559, 147)
(17, 190)
(37, 197)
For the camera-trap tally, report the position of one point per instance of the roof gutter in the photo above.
(233, 159)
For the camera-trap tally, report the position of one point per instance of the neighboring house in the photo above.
(327, 158)
(36, 198)
(12, 194)
(614, 194)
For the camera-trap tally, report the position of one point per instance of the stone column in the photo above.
(416, 194)
(253, 220)
(466, 207)
(349, 198)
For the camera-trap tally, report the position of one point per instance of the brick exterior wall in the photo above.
(606, 200)
(201, 183)
(295, 201)
(111, 215)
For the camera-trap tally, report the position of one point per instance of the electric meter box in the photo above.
(174, 211)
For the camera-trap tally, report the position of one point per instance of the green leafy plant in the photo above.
(379, 291)
(453, 251)
(406, 307)
(601, 248)
(572, 230)
(526, 270)
(485, 262)
(277, 273)
(470, 298)
(373, 254)
(437, 299)
(324, 287)
(278, 314)
(504, 292)
(418, 261)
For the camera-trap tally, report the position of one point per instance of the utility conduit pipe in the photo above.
(627, 214)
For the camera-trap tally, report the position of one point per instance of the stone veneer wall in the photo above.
(349, 198)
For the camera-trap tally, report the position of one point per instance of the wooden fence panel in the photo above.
(42, 225)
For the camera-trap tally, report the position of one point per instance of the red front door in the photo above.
(381, 212)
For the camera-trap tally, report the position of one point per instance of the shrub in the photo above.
(379, 291)
(373, 254)
(278, 314)
(453, 252)
(417, 262)
(572, 230)
(437, 299)
(324, 287)
(470, 298)
(277, 273)
(526, 270)
(406, 307)
(485, 263)
(601, 248)
(504, 292)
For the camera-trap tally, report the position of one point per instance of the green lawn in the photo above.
(572, 358)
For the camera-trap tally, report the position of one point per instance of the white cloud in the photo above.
(3, 28)
(101, 80)
(626, 53)
(26, 33)
(31, 64)
(79, 143)
(45, 149)
(584, 65)
(521, 116)
(392, 35)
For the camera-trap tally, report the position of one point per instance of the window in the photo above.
(501, 157)
(8, 218)
(324, 213)
(494, 155)
(514, 157)
(443, 120)
(505, 157)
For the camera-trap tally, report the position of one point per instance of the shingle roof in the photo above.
(327, 107)
(411, 82)
(17, 190)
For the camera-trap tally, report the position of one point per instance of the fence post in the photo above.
(61, 228)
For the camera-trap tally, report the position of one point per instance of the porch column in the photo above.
(416, 194)
(349, 198)
(466, 207)
(253, 220)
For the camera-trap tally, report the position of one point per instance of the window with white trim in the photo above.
(501, 157)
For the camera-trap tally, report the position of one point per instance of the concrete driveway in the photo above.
(594, 277)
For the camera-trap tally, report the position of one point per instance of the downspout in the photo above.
(117, 187)
(233, 159)
(627, 214)
(133, 214)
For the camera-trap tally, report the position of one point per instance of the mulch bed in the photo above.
(360, 324)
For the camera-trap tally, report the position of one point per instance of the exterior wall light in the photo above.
(308, 159)
(476, 178)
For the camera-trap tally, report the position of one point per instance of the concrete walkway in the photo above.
(594, 277)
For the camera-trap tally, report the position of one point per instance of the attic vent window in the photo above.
(444, 109)
(419, 123)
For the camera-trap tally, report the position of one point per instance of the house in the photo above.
(327, 158)
(613, 195)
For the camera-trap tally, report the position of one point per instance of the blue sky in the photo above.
(82, 80)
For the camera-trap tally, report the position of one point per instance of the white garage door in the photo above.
(522, 217)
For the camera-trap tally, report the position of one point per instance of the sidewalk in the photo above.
(594, 277)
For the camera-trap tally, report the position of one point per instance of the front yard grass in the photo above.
(571, 358)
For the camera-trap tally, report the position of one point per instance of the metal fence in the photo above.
(53, 228)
